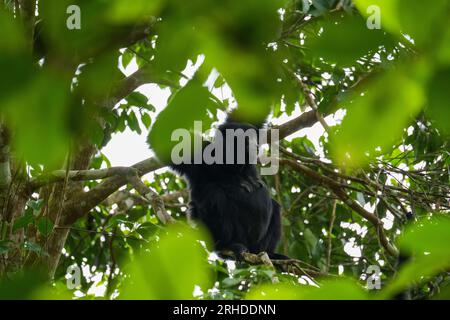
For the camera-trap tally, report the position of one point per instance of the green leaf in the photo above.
(231, 282)
(39, 116)
(427, 240)
(4, 247)
(189, 104)
(388, 9)
(344, 40)
(438, 99)
(137, 99)
(36, 205)
(45, 226)
(377, 117)
(96, 134)
(34, 247)
(15, 63)
(133, 123)
(311, 239)
(171, 268)
(432, 16)
(24, 221)
(341, 289)
(127, 56)
(402, 16)
(428, 235)
(146, 120)
(415, 271)
(123, 11)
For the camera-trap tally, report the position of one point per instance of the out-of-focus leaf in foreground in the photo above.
(438, 106)
(377, 116)
(429, 235)
(15, 64)
(428, 242)
(31, 284)
(340, 289)
(189, 104)
(344, 40)
(39, 116)
(388, 11)
(171, 268)
(132, 11)
(403, 16)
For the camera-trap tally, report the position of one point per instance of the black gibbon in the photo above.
(232, 201)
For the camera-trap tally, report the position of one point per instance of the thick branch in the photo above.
(153, 198)
(81, 175)
(305, 120)
(83, 202)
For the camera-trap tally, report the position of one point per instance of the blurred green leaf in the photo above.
(4, 246)
(15, 64)
(432, 16)
(345, 39)
(171, 268)
(377, 117)
(39, 116)
(121, 11)
(444, 47)
(402, 16)
(137, 99)
(428, 235)
(189, 104)
(341, 289)
(23, 221)
(127, 56)
(21, 285)
(34, 247)
(438, 99)
(388, 10)
(428, 241)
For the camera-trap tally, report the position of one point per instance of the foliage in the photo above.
(376, 176)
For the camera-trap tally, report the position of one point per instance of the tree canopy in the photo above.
(370, 79)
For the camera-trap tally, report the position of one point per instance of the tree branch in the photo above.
(127, 85)
(341, 194)
(80, 175)
(288, 265)
(153, 198)
(310, 100)
(83, 202)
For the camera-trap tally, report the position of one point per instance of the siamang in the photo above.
(231, 199)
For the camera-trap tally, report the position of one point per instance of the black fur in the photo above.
(233, 203)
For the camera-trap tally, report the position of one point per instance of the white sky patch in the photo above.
(356, 227)
(388, 221)
(352, 249)
(98, 288)
(340, 269)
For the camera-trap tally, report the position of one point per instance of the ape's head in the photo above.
(240, 144)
